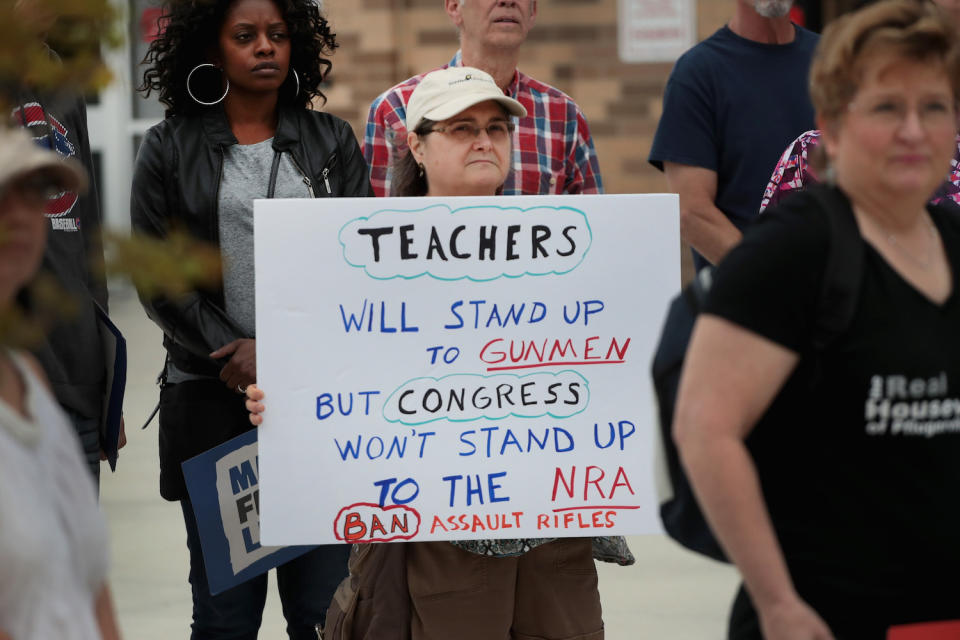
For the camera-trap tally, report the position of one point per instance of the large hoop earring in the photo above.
(190, 93)
(296, 79)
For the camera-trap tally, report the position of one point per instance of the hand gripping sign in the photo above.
(459, 368)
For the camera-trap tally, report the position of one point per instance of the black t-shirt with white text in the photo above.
(859, 455)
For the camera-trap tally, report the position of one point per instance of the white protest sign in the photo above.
(460, 368)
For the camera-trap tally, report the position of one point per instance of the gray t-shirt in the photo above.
(246, 177)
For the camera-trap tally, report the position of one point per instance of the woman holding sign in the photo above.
(828, 467)
(237, 78)
(460, 145)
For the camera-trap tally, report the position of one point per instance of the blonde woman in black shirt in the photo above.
(832, 481)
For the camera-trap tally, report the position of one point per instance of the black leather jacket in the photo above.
(176, 184)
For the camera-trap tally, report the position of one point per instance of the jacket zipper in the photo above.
(306, 179)
(331, 162)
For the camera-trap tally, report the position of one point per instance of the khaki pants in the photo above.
(549, 593)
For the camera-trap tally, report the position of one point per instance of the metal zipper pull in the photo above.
(326, 180)
(306, 179)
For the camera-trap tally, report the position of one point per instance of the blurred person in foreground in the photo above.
(460, 131)
(53, 538)
(72, 355)
(796, 170)
(237, 78)
(831, 478)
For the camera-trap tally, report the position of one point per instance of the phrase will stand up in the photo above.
(468, 397)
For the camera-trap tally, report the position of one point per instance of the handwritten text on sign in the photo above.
(459, 368)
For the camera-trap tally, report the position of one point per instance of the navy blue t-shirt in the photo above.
(733, 106)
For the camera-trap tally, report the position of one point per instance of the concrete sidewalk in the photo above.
(669, 594)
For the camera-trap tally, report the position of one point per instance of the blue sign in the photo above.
(224, 488)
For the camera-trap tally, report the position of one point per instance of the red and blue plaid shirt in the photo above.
(552, 149)
(794, 173)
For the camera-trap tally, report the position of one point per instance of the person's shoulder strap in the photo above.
(843, 272)
(696, 294)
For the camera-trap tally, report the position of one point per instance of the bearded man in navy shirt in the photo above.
(732, 104)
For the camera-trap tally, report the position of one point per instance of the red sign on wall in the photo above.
(151, 24)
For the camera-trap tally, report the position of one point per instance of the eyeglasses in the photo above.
(934, 112)
(497, 131)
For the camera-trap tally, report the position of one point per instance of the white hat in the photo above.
(444, 93)
(20, 156)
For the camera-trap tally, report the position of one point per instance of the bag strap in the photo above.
(839, 293)
(699, 288)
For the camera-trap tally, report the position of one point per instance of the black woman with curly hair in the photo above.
(237, 78)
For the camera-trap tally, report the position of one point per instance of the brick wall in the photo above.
(573, 47)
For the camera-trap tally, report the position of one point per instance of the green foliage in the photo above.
(169, 267)
(49, 304)
(78, 29)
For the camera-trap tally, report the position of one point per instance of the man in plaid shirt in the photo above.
(552, 149)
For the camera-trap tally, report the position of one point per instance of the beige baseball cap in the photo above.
(444, 93)
(21, 157)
